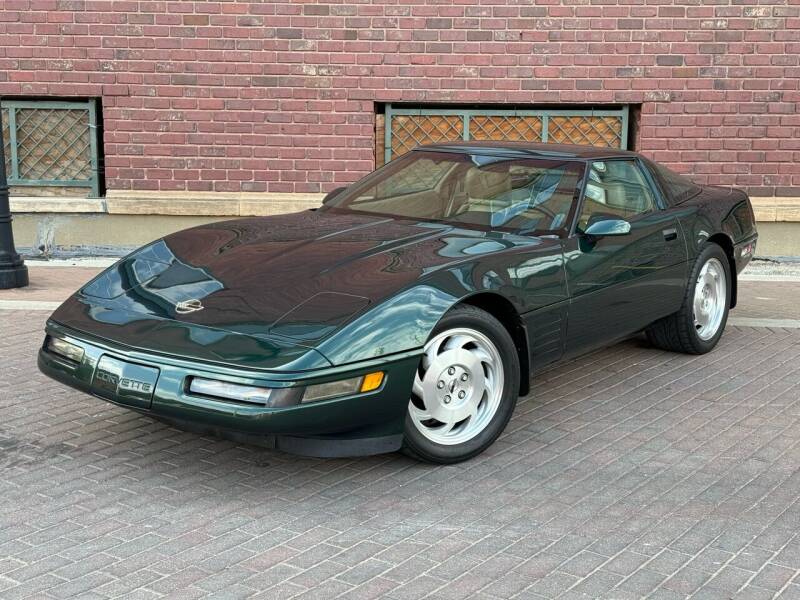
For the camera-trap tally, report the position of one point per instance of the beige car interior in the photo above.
(474, 194)
(425, 202)
(617, 190)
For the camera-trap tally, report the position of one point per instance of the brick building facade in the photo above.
(286, 97)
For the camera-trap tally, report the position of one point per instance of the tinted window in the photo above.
(615, 188)
(509, 194)
(424, 176)
(677, 188)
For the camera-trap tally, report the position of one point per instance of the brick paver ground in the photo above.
(628, 473)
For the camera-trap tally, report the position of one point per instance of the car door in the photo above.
(620, 283)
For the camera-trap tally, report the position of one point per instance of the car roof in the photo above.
(528, 149)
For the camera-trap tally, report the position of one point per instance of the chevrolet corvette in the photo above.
(412, 309)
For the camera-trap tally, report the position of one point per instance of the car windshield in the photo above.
(530, 195)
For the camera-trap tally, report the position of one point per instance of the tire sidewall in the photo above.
(474, 318)
(710, 251)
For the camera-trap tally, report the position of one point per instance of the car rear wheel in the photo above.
(464, 390)
(698, 325)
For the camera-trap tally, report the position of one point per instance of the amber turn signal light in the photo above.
(371, 381)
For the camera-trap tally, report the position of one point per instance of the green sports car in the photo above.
(411, 309)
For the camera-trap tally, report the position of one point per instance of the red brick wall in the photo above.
(278, 96)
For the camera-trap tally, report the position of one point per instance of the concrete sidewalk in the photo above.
(50, 284)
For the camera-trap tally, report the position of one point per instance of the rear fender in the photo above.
(723, 217)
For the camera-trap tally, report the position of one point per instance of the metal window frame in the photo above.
(93, 182)
(467, 113)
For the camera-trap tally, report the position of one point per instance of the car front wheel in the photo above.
(465, 388)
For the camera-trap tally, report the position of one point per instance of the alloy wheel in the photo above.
(710, 299)
(458, 386)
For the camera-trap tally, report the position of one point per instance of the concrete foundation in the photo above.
(38, 234)
(778, 239)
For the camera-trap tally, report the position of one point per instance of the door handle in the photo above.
(670, 234)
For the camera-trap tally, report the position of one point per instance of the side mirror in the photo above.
(608, 227)
(332, 194)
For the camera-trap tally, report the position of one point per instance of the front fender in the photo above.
(404, 321)
(401, 323)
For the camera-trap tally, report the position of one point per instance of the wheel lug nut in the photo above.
(440, 385)
(451, 371)
(461, 394)
(464, 377)
(447, 399)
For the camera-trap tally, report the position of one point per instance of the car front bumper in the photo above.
(360, 424)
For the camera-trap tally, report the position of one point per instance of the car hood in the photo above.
(294, 277)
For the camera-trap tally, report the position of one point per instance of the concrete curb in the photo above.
(776, 278)
(28, 305)
(92, 263)
(757, 322)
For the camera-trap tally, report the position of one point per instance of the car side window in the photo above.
(615, 188)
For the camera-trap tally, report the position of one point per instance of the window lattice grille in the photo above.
(592, 131)
(410, 131)
(506, 128)
(6, 142)
(403, 129)
(50, 143)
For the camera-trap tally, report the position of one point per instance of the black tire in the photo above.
(417, 445)
(677, 332)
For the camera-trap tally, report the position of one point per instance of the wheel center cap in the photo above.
(454, 386)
